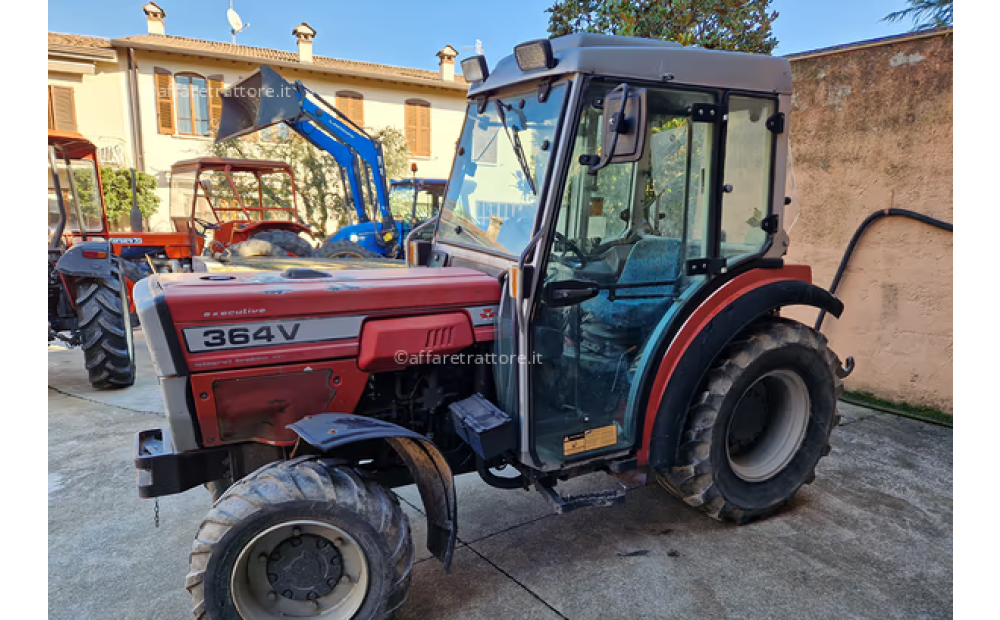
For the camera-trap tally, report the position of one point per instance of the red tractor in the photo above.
(603, 293)
(248, 205)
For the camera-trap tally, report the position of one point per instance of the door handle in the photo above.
(570, 292)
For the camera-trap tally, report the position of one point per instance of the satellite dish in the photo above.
(234, 20)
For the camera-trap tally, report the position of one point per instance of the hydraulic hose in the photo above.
(913, 215)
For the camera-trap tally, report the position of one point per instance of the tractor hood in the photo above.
(304, 293)
(240, 319)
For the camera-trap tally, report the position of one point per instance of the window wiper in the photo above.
(515, 141)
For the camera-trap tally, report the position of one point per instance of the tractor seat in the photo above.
(652, 259)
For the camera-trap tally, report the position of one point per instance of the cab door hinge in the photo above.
(705, 266)
(776, 122)
(707, 113)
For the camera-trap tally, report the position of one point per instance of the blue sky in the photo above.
(408, 32)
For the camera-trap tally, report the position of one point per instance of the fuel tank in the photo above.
(224, 321)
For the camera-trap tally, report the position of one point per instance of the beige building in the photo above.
(149, 100)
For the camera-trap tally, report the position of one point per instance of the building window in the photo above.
(192, 104)
(62, 108)
(418, 127)
(352, 104)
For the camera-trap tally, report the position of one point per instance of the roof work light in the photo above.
(534, 55)
(474, 69)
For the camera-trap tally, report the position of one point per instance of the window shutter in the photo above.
(411, 128)
(418, 127)
(424, 137)
(215, 87)
(352, 105)
(164, 101)
(62, 108)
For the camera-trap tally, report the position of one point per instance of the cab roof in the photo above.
(73, 144)
(234, 165)
(648, 60)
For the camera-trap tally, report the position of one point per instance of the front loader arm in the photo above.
(343, 156)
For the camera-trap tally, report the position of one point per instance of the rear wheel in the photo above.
(343, 248)
(301, 538)
(755, 433)
(287, 241)
(106, 330)
(254, 247)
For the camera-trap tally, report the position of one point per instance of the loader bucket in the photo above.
(263, 99)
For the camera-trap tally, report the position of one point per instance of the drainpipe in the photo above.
(135, 119)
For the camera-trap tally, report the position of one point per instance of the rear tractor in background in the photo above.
(602, 292)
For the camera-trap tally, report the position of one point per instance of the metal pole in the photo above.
(135, 217)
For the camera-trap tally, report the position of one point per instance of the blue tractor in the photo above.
(265, 98)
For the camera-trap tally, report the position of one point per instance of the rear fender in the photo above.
(430, 471)
(74, 264)
(705, 333)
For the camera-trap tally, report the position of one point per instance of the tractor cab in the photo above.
(609, 181)
(220, 202)
(75, 204)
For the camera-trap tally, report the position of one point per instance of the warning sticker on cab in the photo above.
(592, 439)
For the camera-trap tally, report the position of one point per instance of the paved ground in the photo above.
(871, 538)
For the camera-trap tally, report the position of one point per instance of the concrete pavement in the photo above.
(871, 538)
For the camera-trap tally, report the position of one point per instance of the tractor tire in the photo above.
(106, 330)
(753, 436)
(132, 276)
(287, 241)
(343, 248)
(254, 247)
(305, 537)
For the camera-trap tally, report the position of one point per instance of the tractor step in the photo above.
(564, 504)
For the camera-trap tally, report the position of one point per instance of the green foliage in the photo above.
(925, 14)
(117, 184)
(319, 184)
(733, 25)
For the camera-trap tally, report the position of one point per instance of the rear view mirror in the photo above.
(623, 134)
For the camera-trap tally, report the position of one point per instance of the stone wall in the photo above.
(871, 127)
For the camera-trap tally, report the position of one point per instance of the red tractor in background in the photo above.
(602, 293)
(248, 205)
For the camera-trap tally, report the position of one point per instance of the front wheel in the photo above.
(302, 538)
(343, 248)
(754, 434)
(106, 329)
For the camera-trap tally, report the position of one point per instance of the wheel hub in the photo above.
(305, 567)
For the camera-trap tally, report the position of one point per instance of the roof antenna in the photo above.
(235, 22)
(478, 47)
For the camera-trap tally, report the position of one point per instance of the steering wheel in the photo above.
(572, 247)
(205, 225)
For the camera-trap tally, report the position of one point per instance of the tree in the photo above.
(733, 25)
(925, 14)
(117, 186)
(319, 184)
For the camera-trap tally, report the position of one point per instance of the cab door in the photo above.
(620, 241)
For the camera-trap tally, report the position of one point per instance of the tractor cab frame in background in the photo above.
(237, 200)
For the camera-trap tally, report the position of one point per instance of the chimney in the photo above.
(446, 64)
(154, 18)
(305, 33)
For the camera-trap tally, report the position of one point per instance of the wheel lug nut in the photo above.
(338, 542)
(312, 596)
(296, 532)
(272, 577)
(262, 557)
(287, 594)
(345, 580)
(272, 596)
(322, 543)
(331, 582)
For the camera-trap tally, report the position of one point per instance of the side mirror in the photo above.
(623, 135)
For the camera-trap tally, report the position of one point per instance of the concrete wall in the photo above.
(871, 128)
(383, 106)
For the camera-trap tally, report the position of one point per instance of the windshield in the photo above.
(87, 189)
(428, 200)
(502, 159)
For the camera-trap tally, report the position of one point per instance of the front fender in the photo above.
(430, 471)
(74, 263)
